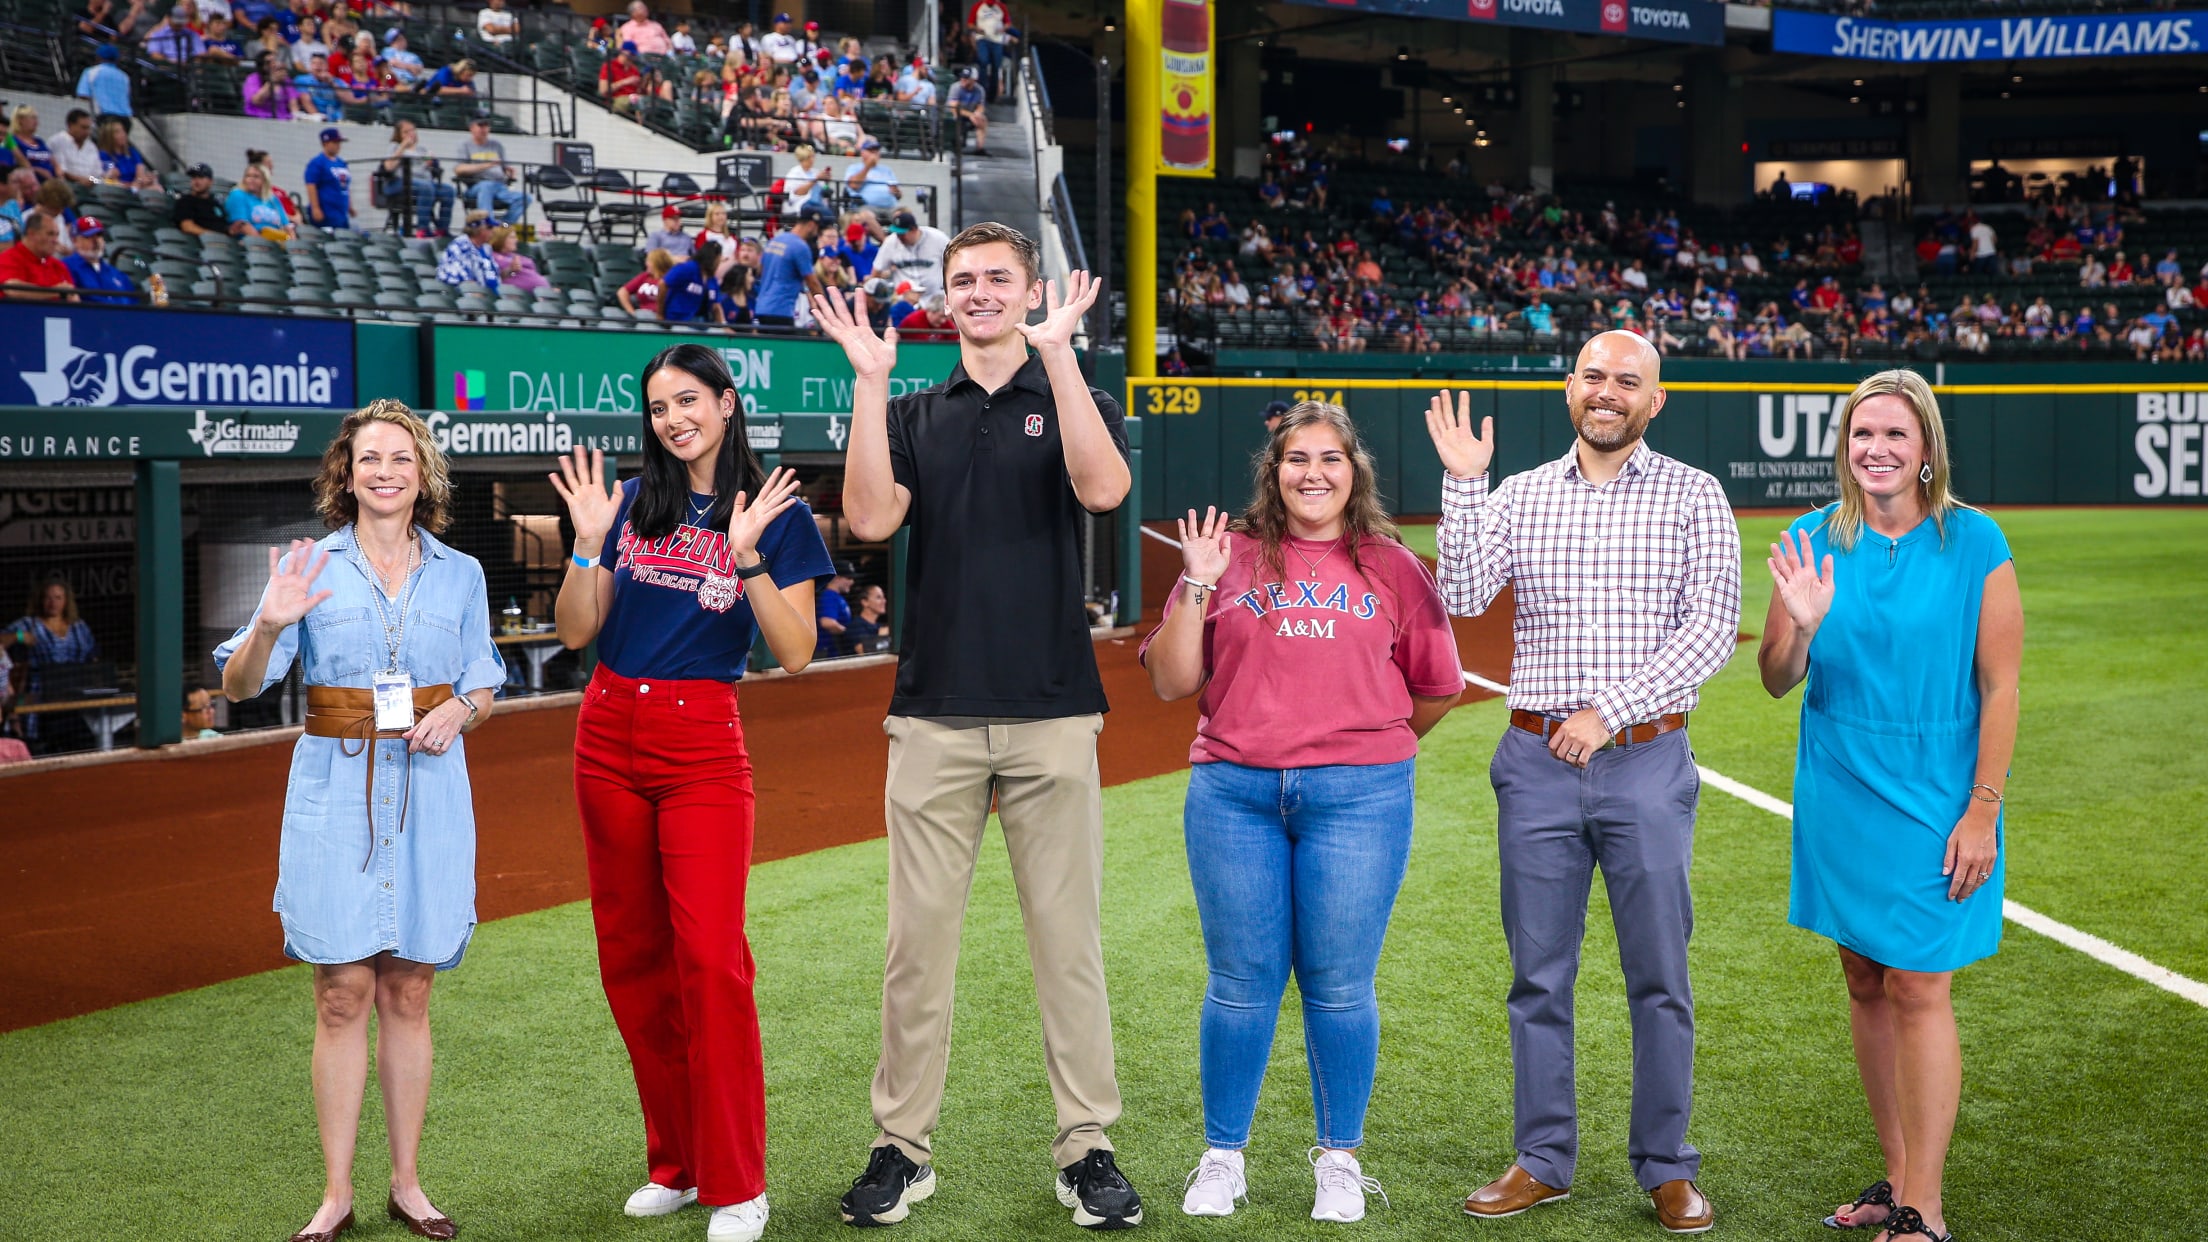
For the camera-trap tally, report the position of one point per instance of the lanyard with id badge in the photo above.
(394, 686)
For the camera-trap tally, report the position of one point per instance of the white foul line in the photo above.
(2024, 916)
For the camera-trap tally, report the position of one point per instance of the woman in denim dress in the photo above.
(375, 880)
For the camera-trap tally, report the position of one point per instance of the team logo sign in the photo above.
(1613, 15)
(1034, 424)
(1483, 10)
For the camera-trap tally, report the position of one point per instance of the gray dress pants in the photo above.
(1630, 811)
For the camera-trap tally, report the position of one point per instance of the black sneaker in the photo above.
(1099, 1196)
(885, 1193)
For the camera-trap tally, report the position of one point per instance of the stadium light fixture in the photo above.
(1859, 81)
(1678, 86)
(2004, 94)
(1402, 53)
(2016, 77)
(1859, 98)
(1447, 99)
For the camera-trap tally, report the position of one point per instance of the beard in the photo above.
(1608, 437)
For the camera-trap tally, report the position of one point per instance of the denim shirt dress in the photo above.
(416, 897)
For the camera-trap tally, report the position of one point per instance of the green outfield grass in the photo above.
(188, 1116)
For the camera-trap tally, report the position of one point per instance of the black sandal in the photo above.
(1907, 1220)
(1878, 1194)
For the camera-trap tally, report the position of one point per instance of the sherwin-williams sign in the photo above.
(82, 356)
(539, 371)
(1989, 38)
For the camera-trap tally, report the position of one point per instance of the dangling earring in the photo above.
(1925, 475)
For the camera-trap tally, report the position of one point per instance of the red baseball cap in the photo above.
(89, 227)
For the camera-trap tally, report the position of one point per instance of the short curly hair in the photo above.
(333, 484)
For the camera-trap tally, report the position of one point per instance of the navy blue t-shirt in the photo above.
(679, 610)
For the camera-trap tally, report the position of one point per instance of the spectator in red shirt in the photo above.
(31, 261)
(646, 288)
(620, 81)
(2119, 270)
(1827, 297)
(1851, 248)
(932, 322)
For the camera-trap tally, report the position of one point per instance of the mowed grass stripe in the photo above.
(188, 1116)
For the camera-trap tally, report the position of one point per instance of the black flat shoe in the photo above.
(1907, 1220)
(1878, 1194)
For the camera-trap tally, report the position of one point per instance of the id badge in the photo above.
(394, 701)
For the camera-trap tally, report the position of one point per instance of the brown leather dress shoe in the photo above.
(424, 1226)
(324, 1235)
(1512, 1193)
(1681, 1208)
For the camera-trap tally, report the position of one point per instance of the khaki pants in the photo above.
(1043, 774)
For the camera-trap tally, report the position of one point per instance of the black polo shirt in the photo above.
(994, 622)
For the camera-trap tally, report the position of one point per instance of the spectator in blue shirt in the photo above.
(690, 293)
(469, 255)
(323, 89)
(330, 181)
(106, 85)
(786, 269)
(832, 614)
(90, 268)
(851, 79)
(124, 163)
(873, 181)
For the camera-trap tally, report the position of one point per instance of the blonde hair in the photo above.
(716, 211)
(1845, 526)
(333, 485)
(659, 262)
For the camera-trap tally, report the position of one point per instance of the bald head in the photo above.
(1619, 348)
(1614, 390)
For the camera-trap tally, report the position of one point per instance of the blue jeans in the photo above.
(492, 197)
(1294, 869)
(429, 196)
(989, 57)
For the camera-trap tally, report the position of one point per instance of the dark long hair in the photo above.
(1364, 521)
(663, 499)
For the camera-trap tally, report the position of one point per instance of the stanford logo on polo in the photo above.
(1613, 16)
(692, 559)
(1034, 424)
(1483, 10)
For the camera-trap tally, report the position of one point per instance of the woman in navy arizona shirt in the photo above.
(673, 575)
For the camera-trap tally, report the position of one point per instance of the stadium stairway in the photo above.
(1002, 187)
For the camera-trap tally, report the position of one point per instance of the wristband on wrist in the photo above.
(1203, 589)
(584, 562)
(752, 571)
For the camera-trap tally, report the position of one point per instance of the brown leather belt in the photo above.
(1631, 735)
(348, 714)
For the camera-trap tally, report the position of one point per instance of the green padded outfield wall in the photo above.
(2128, 441)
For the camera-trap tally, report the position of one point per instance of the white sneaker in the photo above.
(1342, 1186)
(738, 1222)
(653, 1199)
(1215, 1183)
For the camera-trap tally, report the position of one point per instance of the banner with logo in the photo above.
(1989, 38)
(141, 432)
(1673, 21)
(540, 370)
(1185, 77)
(98, 356)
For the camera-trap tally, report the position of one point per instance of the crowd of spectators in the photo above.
(1518, 261)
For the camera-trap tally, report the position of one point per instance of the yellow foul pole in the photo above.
(1142, 112)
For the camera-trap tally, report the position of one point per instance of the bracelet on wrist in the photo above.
(1974, 796)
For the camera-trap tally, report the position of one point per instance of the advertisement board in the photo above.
(541, 370)
(1185, 77)
(31, 434)
(1673, 21)
(100, 356)
(1770, 444)
(1989, 38)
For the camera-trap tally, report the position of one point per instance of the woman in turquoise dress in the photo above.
(1899, 605)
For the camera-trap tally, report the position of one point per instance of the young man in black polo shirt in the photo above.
(997, 694)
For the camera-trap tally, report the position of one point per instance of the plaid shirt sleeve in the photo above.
(1709, 619)
(1473, 543)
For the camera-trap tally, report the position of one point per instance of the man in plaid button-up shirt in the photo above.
(1626, 566)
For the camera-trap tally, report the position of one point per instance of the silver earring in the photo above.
(1925, 475)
